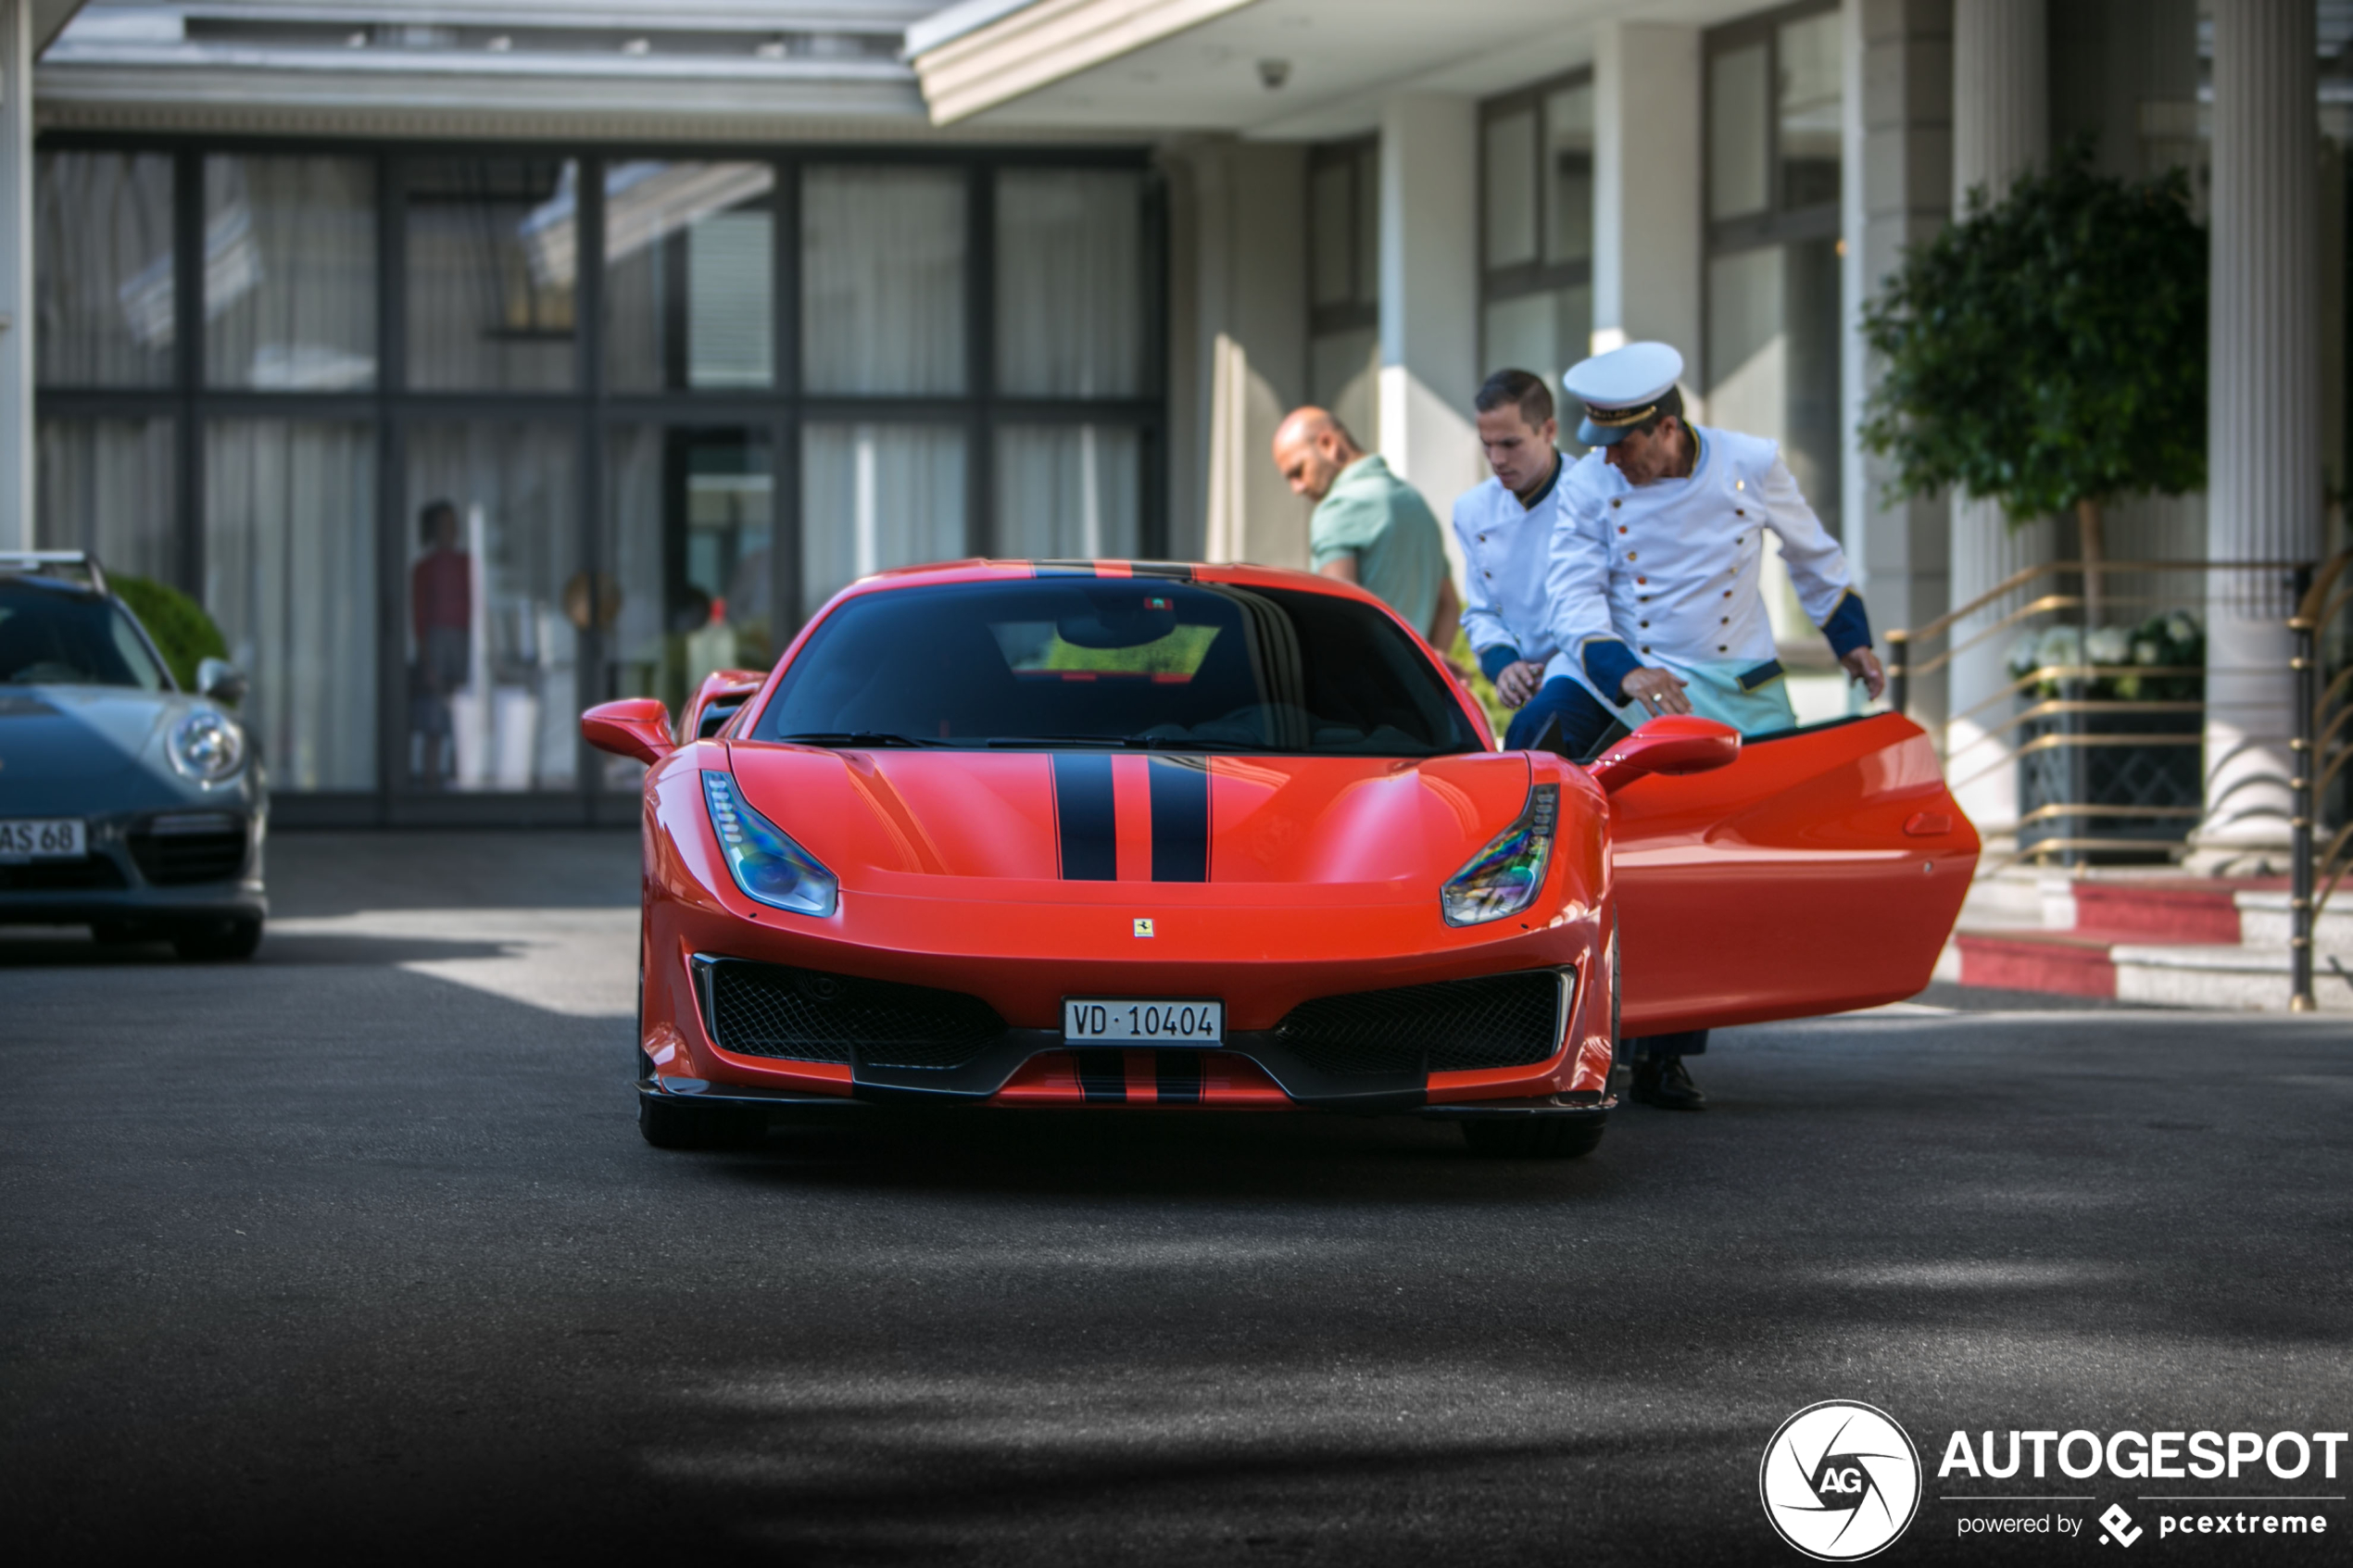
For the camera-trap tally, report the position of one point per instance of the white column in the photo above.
(1647, 93)
(16, 275)
(1429, 295)
(2001, 129)
(2263, 437)
(1898, 192)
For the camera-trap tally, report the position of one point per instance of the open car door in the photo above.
(1820, 870)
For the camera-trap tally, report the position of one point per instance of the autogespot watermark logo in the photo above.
(1840, 1480)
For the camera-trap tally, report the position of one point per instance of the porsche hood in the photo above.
(1098, 816)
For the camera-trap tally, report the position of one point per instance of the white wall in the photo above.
(16, 275)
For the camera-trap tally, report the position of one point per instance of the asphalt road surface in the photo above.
(353, 1254)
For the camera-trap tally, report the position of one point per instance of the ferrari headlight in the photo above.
(207, 746)
(766, 864)
(1503, 878)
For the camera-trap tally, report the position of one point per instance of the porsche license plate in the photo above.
(1089, 1021)
(41, 838)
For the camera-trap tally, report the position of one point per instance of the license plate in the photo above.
(36, 838)
(1106, 1022)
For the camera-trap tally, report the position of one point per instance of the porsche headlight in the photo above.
(1503, 878)
(767, 866)
(207, 746)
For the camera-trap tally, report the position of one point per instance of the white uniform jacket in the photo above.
(1667, 573)
(1506, 549)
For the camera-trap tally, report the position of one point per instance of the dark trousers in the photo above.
(1583, 722)
(1665, 1047)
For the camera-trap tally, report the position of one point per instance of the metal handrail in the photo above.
(2018, 580)
(2318, 604)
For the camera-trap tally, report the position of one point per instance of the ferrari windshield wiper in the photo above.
(1048, 742)
(852, 737)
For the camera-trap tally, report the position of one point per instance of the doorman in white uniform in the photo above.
(1652, 586)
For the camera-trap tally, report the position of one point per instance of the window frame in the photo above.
(1518, 280)
(1362, 308)
(591, 408)
(1776, 223)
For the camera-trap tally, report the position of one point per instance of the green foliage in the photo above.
(2049, 348)
(1498, 716)
(1179, 653)
(183, 633)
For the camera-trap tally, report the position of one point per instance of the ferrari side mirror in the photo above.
(635, 727)
(1672, 743)
(221, 680)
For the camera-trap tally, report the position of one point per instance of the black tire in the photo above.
(215, 941)
(1533, 1137)
(669, 1123)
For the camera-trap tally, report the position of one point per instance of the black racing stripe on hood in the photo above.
(1084, 819)
(1180, 820)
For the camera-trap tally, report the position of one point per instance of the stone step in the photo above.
(2263, 921)
(2060, 962)
(2240, 979)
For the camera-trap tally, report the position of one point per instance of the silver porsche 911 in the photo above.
(126, 804)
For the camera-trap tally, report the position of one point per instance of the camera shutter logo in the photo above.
(1840, 1481)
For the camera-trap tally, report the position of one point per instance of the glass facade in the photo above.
(454, 444)
(1770, 364)
(1536, 252)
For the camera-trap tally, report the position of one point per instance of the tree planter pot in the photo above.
(2141, 775)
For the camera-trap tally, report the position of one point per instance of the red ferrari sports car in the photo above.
(1134, 834)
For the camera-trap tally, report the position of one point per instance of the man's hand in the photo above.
(1863, 665)
(1517, 683)
(1658, 690)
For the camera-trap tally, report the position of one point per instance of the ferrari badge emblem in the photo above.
(1143, 928)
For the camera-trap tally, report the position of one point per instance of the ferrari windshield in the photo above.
(62, 636)
(1117, 662)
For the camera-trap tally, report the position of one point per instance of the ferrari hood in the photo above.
(1119, 816)
(50, 734)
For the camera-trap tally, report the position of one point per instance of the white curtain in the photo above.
(107, 486)
(290, 551)
(882, 268)
(102, 268)
(1068, 492)
(490, 287)
(1070, 317)
(290, 273)
(874, 496)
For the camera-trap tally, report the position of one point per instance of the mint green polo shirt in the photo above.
(1400, 557)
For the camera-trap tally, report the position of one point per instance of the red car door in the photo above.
(1818, 871)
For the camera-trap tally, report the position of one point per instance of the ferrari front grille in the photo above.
(1455, 1026)
(806, 1015)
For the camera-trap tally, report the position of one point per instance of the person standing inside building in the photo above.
(441, 614)
(1653, 588)
(1370, 527)
(1504, 527)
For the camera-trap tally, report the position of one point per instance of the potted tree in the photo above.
(2047, 352)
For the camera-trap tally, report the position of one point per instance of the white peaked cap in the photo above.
(1622, 388)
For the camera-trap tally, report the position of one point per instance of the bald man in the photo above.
(1370, 527)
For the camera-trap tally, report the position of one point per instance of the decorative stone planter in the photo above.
(2122, 776)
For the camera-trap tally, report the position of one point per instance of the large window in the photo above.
(1536, 229)
(1776, 92)
(1343, 282)
(454, 442)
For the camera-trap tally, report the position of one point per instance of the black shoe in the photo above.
(1665, 1082)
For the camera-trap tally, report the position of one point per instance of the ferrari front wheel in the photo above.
(667, 1123)
(1533, 1137)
